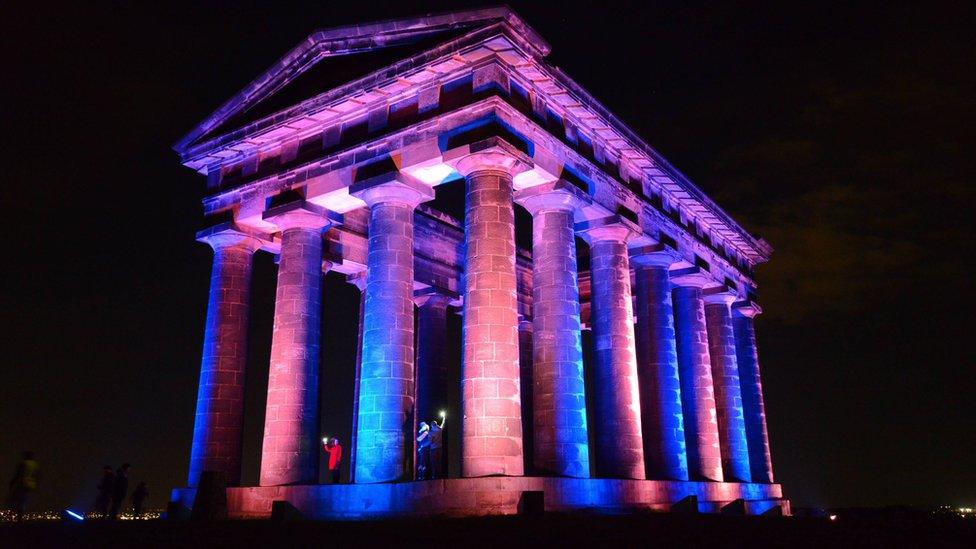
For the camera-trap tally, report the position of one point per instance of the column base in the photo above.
(499, 496)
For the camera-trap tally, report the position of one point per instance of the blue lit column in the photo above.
(728, 396)
(662, 421)
(558, 391)
(754, 410)
(217, 434)
(384, 440)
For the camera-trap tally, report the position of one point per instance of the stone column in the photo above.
(754, 410)
(558, 391)
(695, 371)
(431, 355)
(386, 388)
(662, 421)
(525, 379)
(491, 431)
(728, 396)
(290, 449)
(217, 428)
(620, 446)
(359, 281)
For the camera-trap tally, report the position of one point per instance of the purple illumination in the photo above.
(338, 181)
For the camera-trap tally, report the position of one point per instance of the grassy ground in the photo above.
(658, 530)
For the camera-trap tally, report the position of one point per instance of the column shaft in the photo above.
(754, 410)
(290, 449)
(662, 421)
(619, 451)
(525, 380)
(361, 285)
(431, 357)
(558, 393)
(697, 393)
(217, 429)
(728, 396)
(492, 422)
(386, 390)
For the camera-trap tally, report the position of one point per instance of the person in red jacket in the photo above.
(334, 450)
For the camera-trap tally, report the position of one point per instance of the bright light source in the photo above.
(833, 517)
(73, 515)
(443, 413)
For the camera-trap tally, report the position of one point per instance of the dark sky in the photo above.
(843, 135)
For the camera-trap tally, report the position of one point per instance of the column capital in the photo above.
(226, 235)
(560, 195)
(391, 187)
(301, 214)
(614, 227)
(358, 280)
(747, 309)
(719, 296)
(492, 154)
(432, 296)
(658, 255)
(693, 277)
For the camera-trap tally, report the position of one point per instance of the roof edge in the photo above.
(351, 39)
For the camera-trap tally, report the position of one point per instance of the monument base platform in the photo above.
(500, 496)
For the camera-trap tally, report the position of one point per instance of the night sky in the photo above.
(845, 138)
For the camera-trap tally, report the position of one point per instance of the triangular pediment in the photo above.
(329, 58)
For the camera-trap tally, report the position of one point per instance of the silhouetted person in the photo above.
(423, 451)
(120, 488)
(139, 498)
(437, 448)
(334, 450)
(105, 487)
(24, 482)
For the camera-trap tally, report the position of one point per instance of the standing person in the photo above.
(105, 487)
(437, 448)
(334, 450)
(423, 451)
(120, 488)
(24, 482)
(139, 498)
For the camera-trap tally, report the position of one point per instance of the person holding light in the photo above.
(334, 450)
(437, 446)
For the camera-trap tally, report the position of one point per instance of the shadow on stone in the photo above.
(210, 502)
(283, 511)
(532, 503)
(176, 511)
(686, 506)
(774, 511)
(736, 507)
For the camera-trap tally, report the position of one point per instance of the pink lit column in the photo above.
(290, 450)
(728, 395)
(491, 431)
(220, 397)
(754, 410)
(558, 394)
(384, 438)
(620, 447)
(695, 371)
